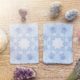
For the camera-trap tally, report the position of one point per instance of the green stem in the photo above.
(72, 76)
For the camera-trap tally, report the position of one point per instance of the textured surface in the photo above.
(24, 43)
(57, 43)
(37, 12)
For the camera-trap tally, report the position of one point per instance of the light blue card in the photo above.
(24, 43)
(57, 43)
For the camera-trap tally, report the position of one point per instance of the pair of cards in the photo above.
(57, 44)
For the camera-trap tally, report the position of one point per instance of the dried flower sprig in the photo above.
(75, 75)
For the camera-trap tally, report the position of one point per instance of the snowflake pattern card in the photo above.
(57, 43)
(24, 43)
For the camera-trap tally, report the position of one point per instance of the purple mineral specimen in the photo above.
(22, 73)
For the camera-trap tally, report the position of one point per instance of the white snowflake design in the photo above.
(57, 43)
(24, 44)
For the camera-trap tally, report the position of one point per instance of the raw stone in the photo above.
(22, 73)
(71, 14)
(55, 9)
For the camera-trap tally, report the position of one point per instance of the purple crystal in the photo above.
(22, 73)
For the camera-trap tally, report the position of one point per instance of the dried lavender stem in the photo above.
(72, 76)
(75, 75)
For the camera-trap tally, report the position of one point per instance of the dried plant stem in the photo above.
(72, 76)
(75, 75)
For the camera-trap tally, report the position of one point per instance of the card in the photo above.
(57, 43)
(24, 43)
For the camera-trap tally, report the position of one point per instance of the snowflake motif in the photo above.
(29, 56)
(18, 57)
(23, 44)
(29, 29)
(26, 41)
(64, 30)
(57, 43)
(52, 29)
(51, 56)
(62, 57)
(18, 30)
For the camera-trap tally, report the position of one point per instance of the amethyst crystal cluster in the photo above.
(22, 73)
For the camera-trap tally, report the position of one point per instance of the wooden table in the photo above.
(38, 11)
